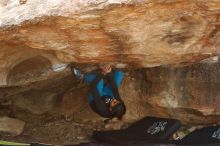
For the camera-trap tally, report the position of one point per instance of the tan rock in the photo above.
(11, 126)
(125, 33)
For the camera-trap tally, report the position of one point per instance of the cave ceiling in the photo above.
(126, 33)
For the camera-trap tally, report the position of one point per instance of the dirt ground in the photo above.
(48, 128)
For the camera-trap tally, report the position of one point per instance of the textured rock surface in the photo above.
(11, 126)
(135, 33)
(38, 37)
(189, 93)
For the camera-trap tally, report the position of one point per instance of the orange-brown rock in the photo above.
(134, 33)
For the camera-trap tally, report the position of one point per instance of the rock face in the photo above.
(39, 37)
(188, 93)
(191, 93)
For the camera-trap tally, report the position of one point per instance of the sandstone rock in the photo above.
(11, 126)
(191, 93)
(126, 33)
(37, 36)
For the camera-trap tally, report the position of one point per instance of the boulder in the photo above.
(11, 126)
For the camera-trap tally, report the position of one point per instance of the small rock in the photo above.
(11, 126)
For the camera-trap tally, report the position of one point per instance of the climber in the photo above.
(103, 95)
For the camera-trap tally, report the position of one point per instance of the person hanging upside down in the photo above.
(103, 95)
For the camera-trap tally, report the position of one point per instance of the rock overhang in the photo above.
(125, 33)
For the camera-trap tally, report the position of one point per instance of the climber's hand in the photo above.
(106, 69)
